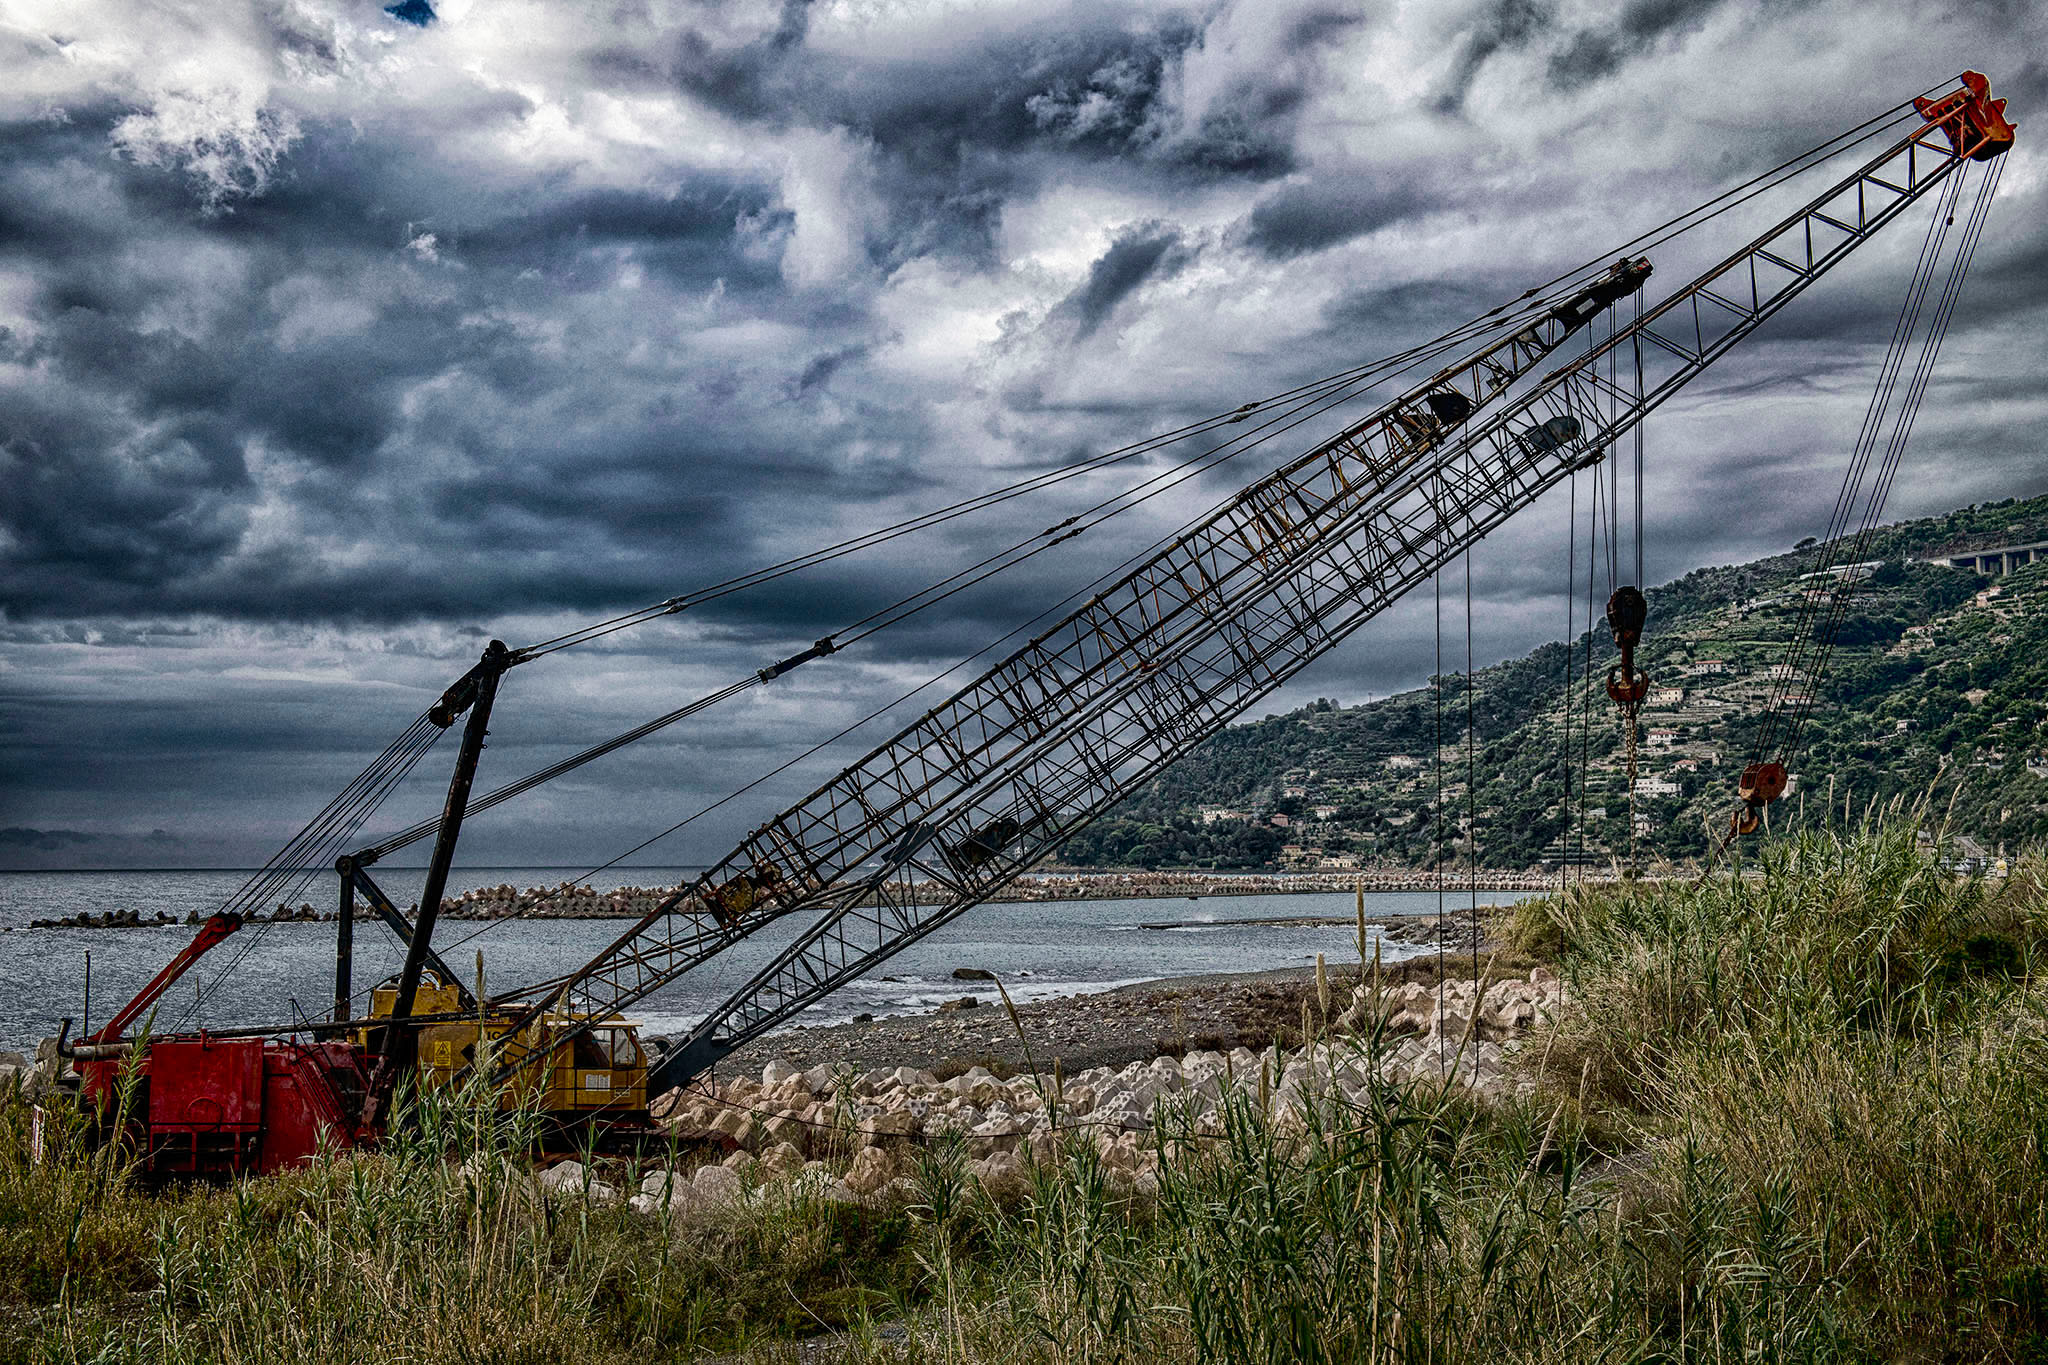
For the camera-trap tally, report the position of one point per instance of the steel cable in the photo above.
(1827, 554)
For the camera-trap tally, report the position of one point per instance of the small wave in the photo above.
(661, 1025)
(830, 1013)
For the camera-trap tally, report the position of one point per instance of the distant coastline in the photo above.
(569, 901)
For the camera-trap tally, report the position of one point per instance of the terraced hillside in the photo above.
(1937, 669)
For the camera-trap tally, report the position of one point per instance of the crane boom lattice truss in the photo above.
(936, 820)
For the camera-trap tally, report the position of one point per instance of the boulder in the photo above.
(778, 1072)
(811, 1181)
(818, 1080)
(999, 1171)
(785, 1130)
(663, 1182)
(995, 1135)
(965, 1002)
(893, 1126)
(782, 1159)
(1452, 1021)
(872, 1168)
(566, 1176)
(717, 1185)
(1507, 1019)
(972, 974)
(573, 1180)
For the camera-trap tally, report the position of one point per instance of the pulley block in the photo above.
(1626, 612)
(1761, 784)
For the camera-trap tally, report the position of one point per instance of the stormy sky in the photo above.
(335, 341)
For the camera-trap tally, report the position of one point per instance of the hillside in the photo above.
(1933, 665)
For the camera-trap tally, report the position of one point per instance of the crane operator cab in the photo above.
(603, 1069)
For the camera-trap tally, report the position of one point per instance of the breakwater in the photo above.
(570, 900)
(583, 902)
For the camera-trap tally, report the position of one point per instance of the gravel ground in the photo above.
(1111, 1028)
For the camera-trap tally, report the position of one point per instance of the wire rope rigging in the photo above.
(1839, 553)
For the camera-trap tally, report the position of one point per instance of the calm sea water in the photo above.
(278, 973)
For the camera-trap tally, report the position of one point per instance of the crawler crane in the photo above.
(934, 821)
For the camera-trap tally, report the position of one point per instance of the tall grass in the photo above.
(1799, 1114)
(438, 1247)
(1796, 1115)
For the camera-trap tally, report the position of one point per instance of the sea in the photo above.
(283, 973)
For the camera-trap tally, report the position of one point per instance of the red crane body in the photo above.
(207, 1105)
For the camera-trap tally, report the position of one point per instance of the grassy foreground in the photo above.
(1801, 1115)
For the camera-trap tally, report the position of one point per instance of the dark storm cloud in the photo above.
(959, 133)
(1596, 53)
(369, 337)
(1498, 26)
(819, 369)
(1324, 212)
(1414, 311)
(1133, 258)
(689, 234)
(186, 407)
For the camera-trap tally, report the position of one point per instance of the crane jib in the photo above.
(989, 782)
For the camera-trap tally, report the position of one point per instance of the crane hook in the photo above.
(1759, 785)
(1627, 685)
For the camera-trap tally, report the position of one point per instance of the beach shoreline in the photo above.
(1117, 1025)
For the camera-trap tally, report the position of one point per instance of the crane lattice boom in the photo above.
(993, 779)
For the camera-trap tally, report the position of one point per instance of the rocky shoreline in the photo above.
(841, 1129)
(570, 901)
